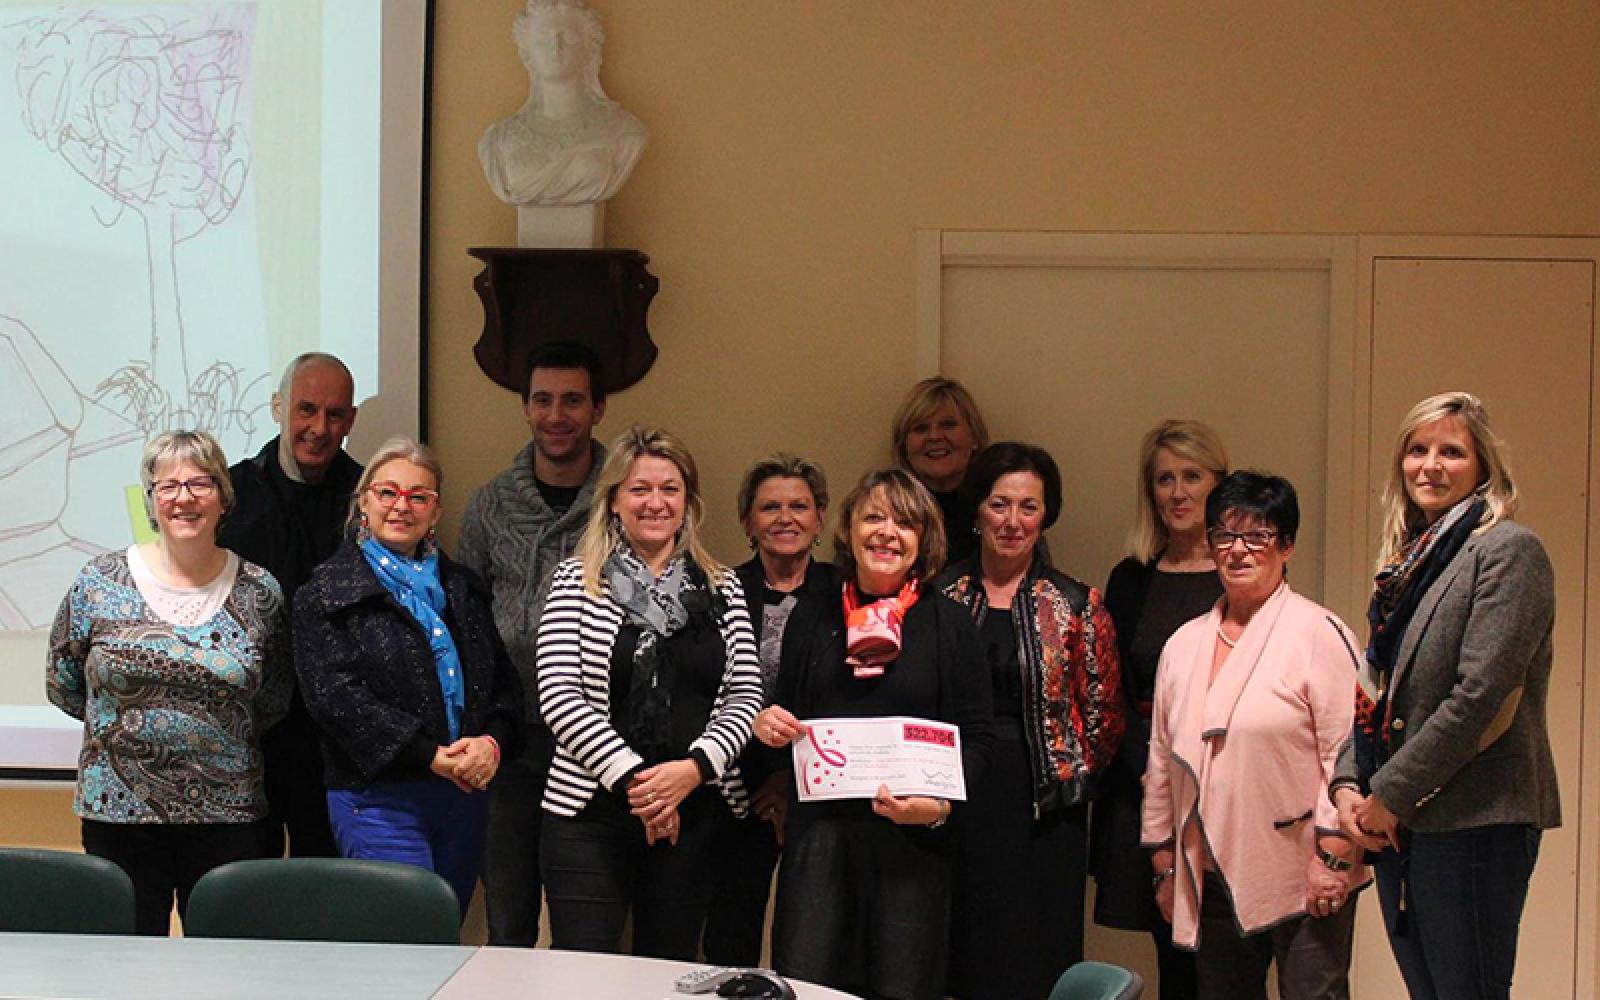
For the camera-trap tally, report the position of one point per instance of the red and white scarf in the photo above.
(872, 630)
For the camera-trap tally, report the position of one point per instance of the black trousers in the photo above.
(738, 915)
(597, 867)
(512, 887)
(297, 800)
(163, 859)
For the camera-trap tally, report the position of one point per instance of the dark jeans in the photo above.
(297, 802)
(597, 866)
(738, 913)
(512, 889)
(1464, 907)
(163, 859)
(1313, 953)
(426, 822)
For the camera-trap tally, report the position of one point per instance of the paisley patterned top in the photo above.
(172, 714)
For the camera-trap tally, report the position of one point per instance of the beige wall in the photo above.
(798, 147)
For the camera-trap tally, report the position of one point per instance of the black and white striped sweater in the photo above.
(576, 634)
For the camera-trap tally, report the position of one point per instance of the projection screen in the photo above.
(197, 193)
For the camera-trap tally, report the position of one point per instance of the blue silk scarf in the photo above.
(416, 585)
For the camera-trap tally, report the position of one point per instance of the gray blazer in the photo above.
(1481, 636)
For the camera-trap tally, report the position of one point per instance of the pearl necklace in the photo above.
(1230, 643)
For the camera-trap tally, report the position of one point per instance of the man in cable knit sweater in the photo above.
(515, 531)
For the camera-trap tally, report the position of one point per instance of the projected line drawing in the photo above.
(145, 111)
(148, 109)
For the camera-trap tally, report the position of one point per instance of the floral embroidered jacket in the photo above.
(1071, 685)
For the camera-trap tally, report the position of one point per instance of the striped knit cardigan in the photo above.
(576, 634)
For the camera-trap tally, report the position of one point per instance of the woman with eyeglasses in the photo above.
(173, 654)
(1253, 702)
(402, 668)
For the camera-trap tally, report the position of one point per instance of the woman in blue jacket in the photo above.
(402, 668)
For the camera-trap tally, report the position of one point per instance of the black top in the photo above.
(960, 523)
(1135, 592)
(285, 527)
(939, 675)
(288, 529)
(370, 679)
(998, 634)
(558, 498)
(691, 662)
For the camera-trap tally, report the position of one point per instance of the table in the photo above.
(575, 975)
(137, 968)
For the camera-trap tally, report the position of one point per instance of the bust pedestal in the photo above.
(561, 226)
(533, 296)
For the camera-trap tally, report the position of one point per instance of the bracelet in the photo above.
(494, 743)
(1333, 862)
(945, 809)
(1161, 876)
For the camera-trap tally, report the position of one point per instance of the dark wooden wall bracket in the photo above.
(596, 297)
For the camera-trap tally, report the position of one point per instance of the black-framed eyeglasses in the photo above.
(168, 490)
(1255, 540)
(388, 494)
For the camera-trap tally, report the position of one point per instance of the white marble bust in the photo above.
(569, 144)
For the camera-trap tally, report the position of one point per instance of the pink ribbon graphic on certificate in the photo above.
(832, 757)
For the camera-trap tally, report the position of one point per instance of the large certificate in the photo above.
(850, 758)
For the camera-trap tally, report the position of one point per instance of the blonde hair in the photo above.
(908, 500)
(412, 451)
(603, 533)
(927, 396)
(1401, 516)
(1189, 439)
(195, 447)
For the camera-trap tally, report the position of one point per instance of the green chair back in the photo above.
(63, 892)
(1098, 981)
(324, 899)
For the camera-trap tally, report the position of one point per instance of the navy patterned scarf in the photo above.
(1399, 588)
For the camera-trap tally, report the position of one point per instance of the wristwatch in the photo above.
(1333, 862)
(945, 809)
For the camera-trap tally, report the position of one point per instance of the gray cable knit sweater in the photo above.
(512, 539)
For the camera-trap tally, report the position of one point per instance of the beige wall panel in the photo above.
(1519, 334)
(1084, 361)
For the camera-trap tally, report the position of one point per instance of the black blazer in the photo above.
(369, 679)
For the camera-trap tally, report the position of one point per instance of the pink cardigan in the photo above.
(1241, 766)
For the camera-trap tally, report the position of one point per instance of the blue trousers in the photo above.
(1464, 891)
(427, 822)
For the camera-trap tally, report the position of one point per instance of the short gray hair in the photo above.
(195, 447)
